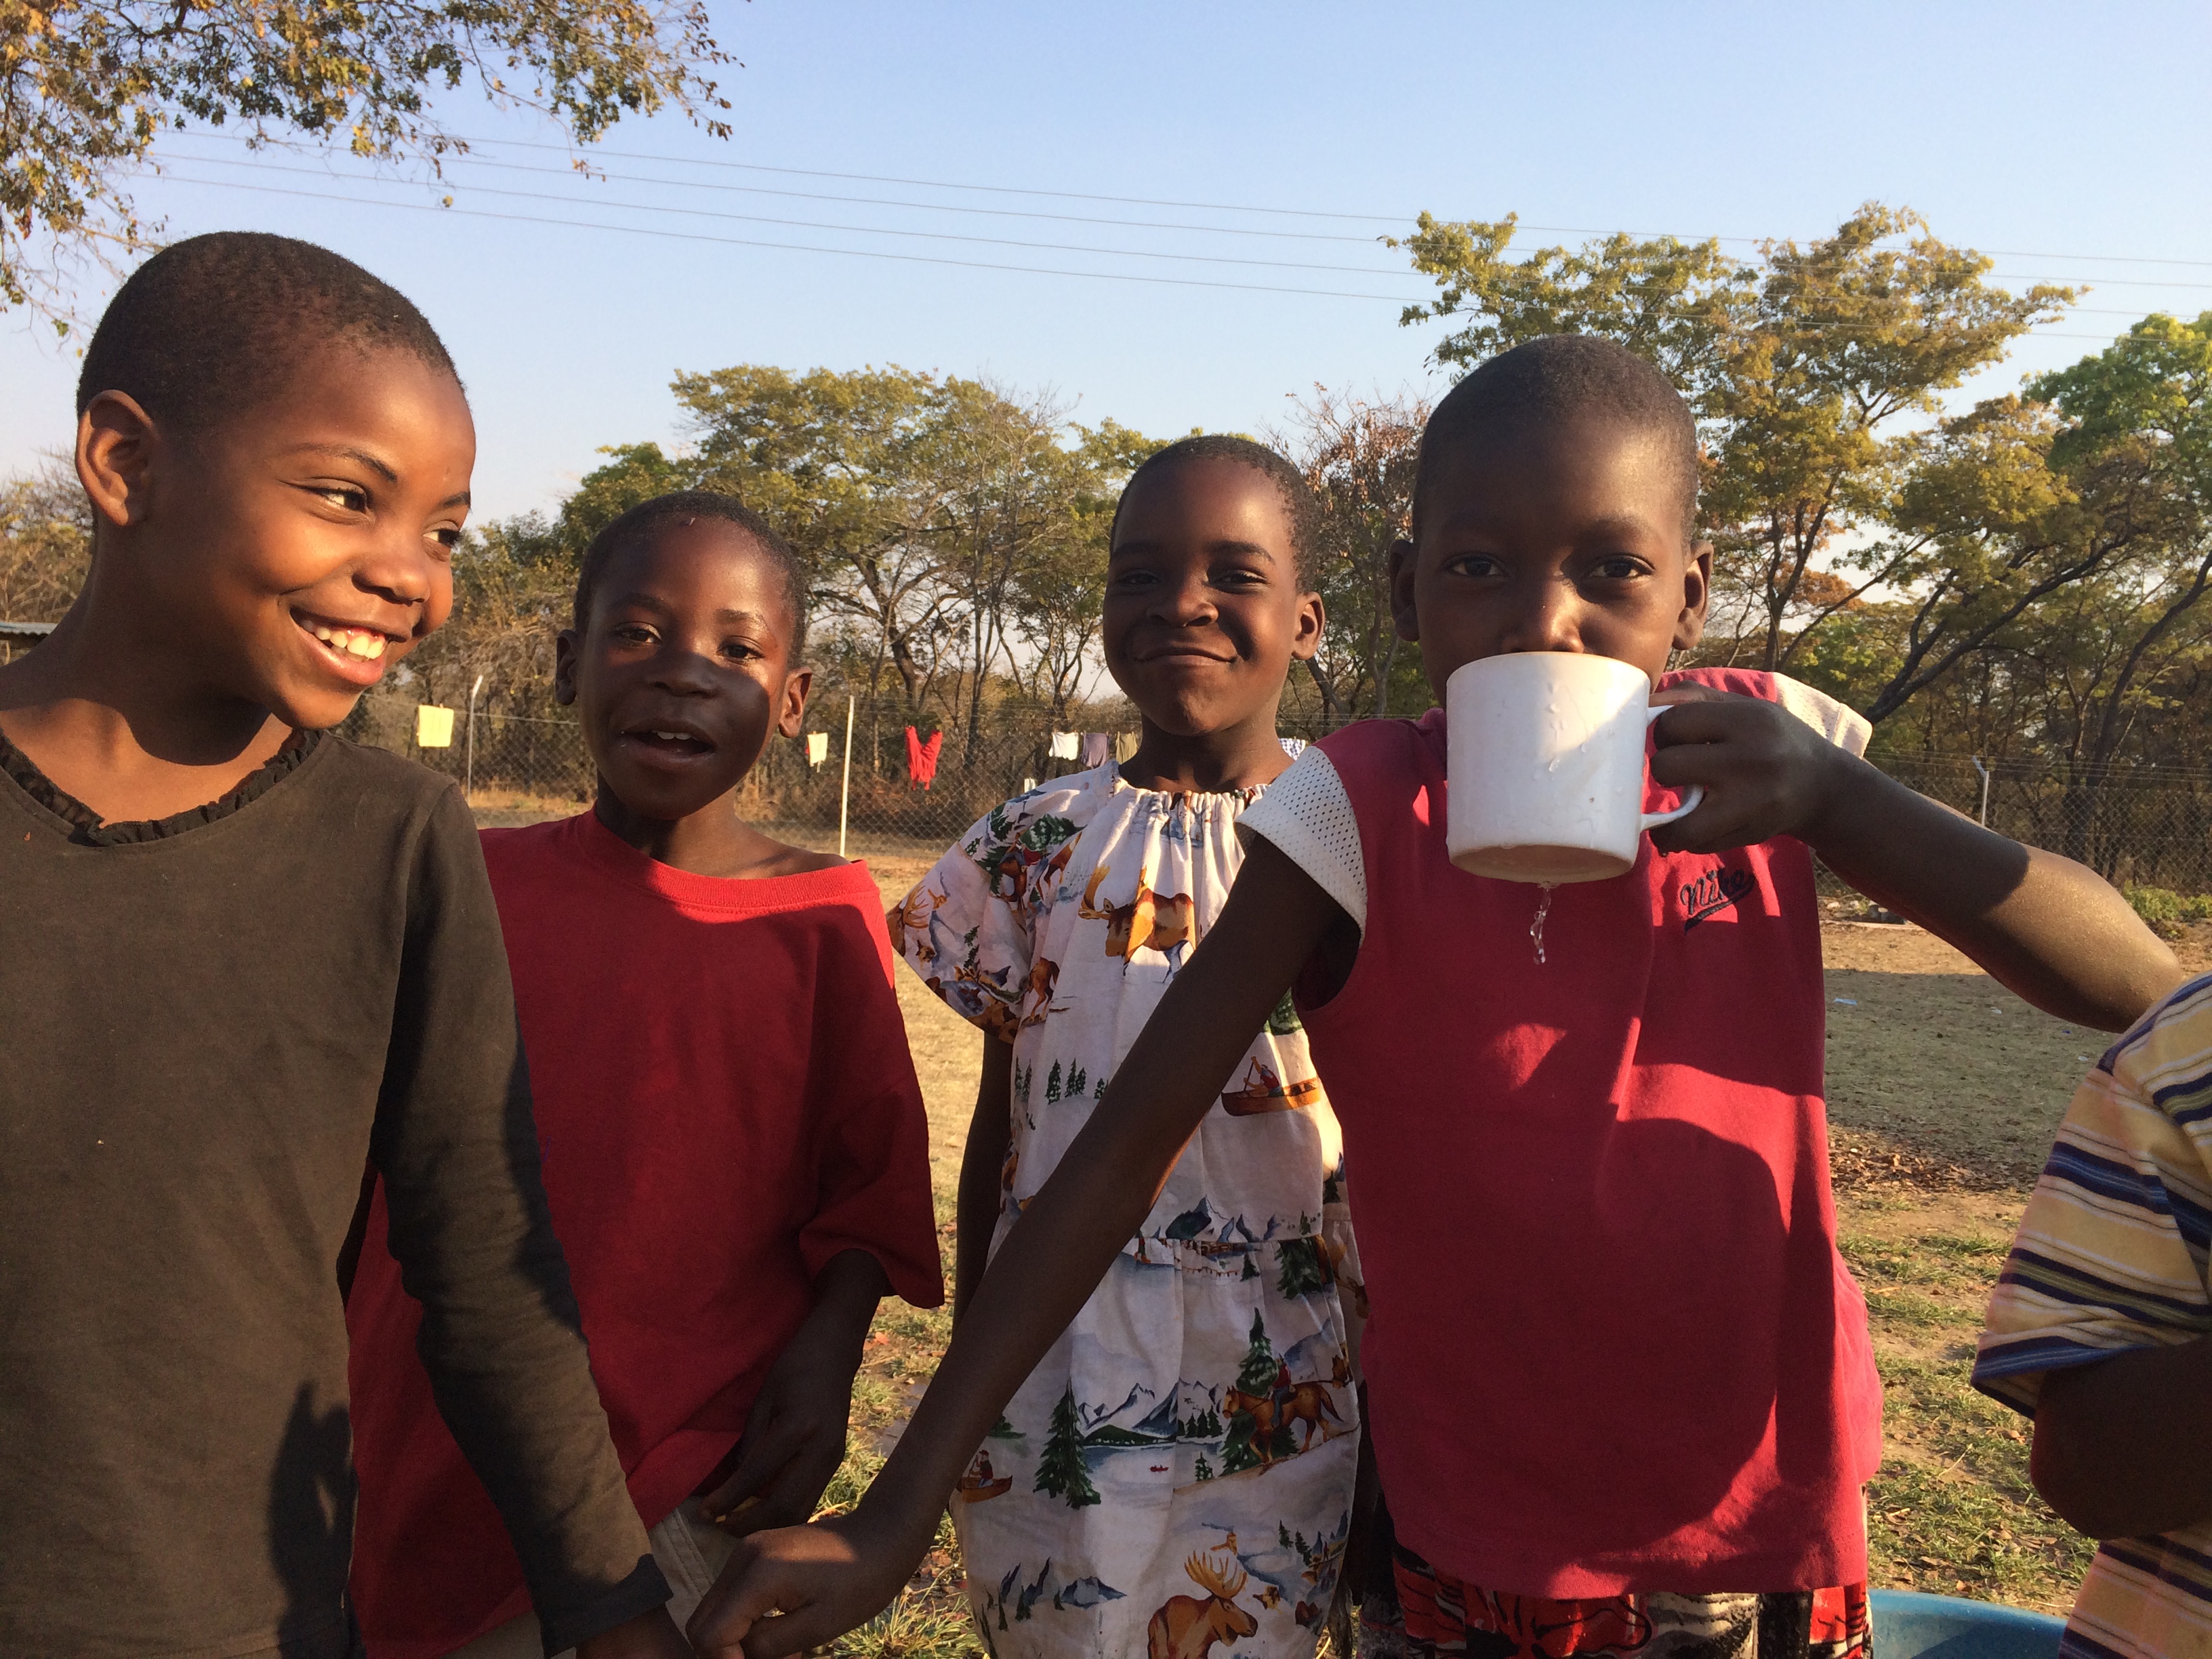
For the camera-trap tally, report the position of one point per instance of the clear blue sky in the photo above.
(2043, 129)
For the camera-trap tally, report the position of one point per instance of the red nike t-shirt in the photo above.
(1613, 1346)
(726, 1101)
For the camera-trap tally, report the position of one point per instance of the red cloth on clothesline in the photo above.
(921, 757)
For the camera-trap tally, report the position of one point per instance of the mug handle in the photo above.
(1691, 802)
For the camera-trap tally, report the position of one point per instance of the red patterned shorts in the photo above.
(1445, 1619)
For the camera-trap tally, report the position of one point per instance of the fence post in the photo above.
(845, 797)
(1984, 771)
(468, 783)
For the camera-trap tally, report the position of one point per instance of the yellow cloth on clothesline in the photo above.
(433, 726)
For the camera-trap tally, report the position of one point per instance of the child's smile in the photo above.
(353, 651)
(312, 547)
(1202, 609)
(682, 668)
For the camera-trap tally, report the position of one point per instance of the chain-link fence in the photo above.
(2137, 826)
(2147, 827)
(519, 767)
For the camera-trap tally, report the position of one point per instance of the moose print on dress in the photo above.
(1187, 1626)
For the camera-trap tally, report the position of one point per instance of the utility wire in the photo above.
(796, 247)
(472, 158)
(1232, 207)
(939, 236)
(857, 230)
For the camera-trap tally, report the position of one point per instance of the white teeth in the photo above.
(351, 642)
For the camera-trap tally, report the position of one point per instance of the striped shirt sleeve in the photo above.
(2111, 1254)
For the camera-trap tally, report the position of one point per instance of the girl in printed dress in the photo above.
(1182, 1463)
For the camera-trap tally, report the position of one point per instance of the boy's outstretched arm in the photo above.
(2048, 929)
(822, 1580)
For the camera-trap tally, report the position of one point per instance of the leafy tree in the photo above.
(46, 542)
(1674, 302)
(2106, 654)
(1062, 1472)
(1059, 595)
(955, 531)
(513, 580)
(633, 473)
(1812, 372)
(87, 86)
(1358, 455)
(1841, 347)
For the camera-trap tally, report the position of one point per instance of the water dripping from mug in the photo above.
(1536, 927)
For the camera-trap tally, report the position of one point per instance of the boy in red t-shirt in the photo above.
(735, 1153)
(1621, 1387)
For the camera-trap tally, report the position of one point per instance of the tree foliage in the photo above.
(1813, 372)
(1358, 455)
(86, 87)
(46, 542)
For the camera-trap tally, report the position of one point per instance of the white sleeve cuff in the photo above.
(1839, 724)
(1306, 815)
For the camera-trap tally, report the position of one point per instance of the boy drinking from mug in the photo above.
(1620, 1385)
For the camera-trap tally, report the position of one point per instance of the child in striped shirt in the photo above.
(2098, 1330)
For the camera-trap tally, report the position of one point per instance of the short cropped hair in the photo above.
(686, 506)
(1298, 502)
(1549, 381)
(215, 325)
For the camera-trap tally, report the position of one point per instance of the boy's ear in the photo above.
(115, 443)
(1401, 590)
(791, 718)
(565, 644)
(1306, 626)
(1697, 594)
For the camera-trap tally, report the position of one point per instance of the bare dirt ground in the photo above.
(1944, 1091)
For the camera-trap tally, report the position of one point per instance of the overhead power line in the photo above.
(1233, 207)
(939, 236)
(1399, 219)
(859, 230)
(796, 247)
(2045, 331)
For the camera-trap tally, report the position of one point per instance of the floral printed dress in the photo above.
(1178, 1470)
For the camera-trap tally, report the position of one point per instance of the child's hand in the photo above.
(649, 1636)
(785, 1592)
(1766, 773)
(794, 1436)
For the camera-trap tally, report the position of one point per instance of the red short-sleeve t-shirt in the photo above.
(725, 1101)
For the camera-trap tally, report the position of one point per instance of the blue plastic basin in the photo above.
(1908, 1625)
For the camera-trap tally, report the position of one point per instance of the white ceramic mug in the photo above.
(1545, 752)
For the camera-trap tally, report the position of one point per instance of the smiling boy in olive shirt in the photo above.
(238, 956)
